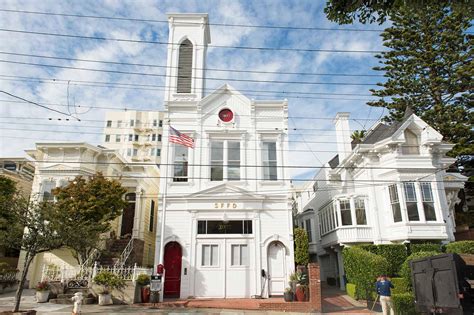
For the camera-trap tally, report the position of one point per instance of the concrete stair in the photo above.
(114, 251)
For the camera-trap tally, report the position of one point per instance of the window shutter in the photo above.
(185, 64)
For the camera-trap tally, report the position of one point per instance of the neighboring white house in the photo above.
(225, 206)
(135, 134)
(389, 188)
(56, 164)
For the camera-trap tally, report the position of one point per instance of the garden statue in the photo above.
(77, 299)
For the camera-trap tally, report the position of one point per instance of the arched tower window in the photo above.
(411, 145)
(185, 67)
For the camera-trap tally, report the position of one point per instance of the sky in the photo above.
(62, 88)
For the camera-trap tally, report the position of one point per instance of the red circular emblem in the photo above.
(226, 115)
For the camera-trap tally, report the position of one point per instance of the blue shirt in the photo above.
(383, 287)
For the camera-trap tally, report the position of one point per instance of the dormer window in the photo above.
(185, 67)
(411, 145)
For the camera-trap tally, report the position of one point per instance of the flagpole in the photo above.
(163, 216)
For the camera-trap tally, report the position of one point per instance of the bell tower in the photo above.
(187, 47)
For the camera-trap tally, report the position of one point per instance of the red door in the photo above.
(172, 262)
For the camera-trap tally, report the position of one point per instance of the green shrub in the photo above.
(301, 247)
(461, 247)
(400, 285)
(395, 254)
(362, 269)
(404, 304)
(405, 271)
(143, 279)
(109, 281)
(425, 247)
(351, 290)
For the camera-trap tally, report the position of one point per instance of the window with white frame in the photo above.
(346, 216)
(411, 145)
(119, 123)
(132, 123)
(309, 230)
(225, 160)
(209, 255)
(109, 123)
(160, 123)
(155, 122)
(130, 137)
(158, 152)
(107, 138)
(269, 161)
(180, 164)
(135, 152)
(395, 202)
(428, 201)
(359, 204)
(239, 255)
(117, 138)
(411, 201)
(153, 137)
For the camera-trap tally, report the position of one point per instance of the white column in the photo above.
(419, 202)
(138, 213)
(353, 216)
(402, 201)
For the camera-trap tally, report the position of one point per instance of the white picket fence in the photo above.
(81, 276)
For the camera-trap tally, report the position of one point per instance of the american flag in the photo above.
(179, 138)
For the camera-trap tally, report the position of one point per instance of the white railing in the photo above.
(125, 254)
(80, 276)
(94, 256)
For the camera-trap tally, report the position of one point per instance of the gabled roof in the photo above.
(227, 191)
(383, 131)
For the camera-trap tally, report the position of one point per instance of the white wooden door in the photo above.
(276, 269)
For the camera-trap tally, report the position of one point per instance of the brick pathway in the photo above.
(336, 301)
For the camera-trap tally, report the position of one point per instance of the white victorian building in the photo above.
(226, 214)
(389, 188)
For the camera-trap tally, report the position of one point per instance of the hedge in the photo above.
(425, 247)
(351, 291)
(404, 304)
(400, 285)
(395, 254)
(405, 271)
(362, 269)
(461, 247)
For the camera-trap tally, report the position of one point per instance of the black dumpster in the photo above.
(442, 285)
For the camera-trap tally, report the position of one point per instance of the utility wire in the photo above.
(170, 76)
(38, 104)
(183, 112)
(154, 87)
(175, 44)
(207, 69)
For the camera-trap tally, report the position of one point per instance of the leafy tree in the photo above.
(8, 192)
(378, 11)
(301, 247)
(429, 68)
(32, 228)
(88, 206)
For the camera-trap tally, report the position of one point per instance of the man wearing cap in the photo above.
(383, 287)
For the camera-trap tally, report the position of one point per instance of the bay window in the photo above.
(345, 207)
(359, 204)
(395, 202)
(269, 161)
(428, 202)
(411, 202)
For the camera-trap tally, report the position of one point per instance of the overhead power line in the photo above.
(314, 50)
(115, 18)
(157, 87)
(38, 104)
(207, 69)
(164, 75)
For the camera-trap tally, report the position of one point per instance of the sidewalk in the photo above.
(336, 301)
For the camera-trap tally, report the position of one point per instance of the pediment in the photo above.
(227, 191)
(415, 123)
(57, 167)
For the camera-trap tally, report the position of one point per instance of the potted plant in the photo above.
(109, 281)
(143, 281)
(42, 291)
(302, 285)
(288, 295)
(293, 282)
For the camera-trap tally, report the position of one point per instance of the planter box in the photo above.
(105, 299)
(42, 296)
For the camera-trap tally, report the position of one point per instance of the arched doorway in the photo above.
(276, 269)
(172, 262)
(128, 215)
